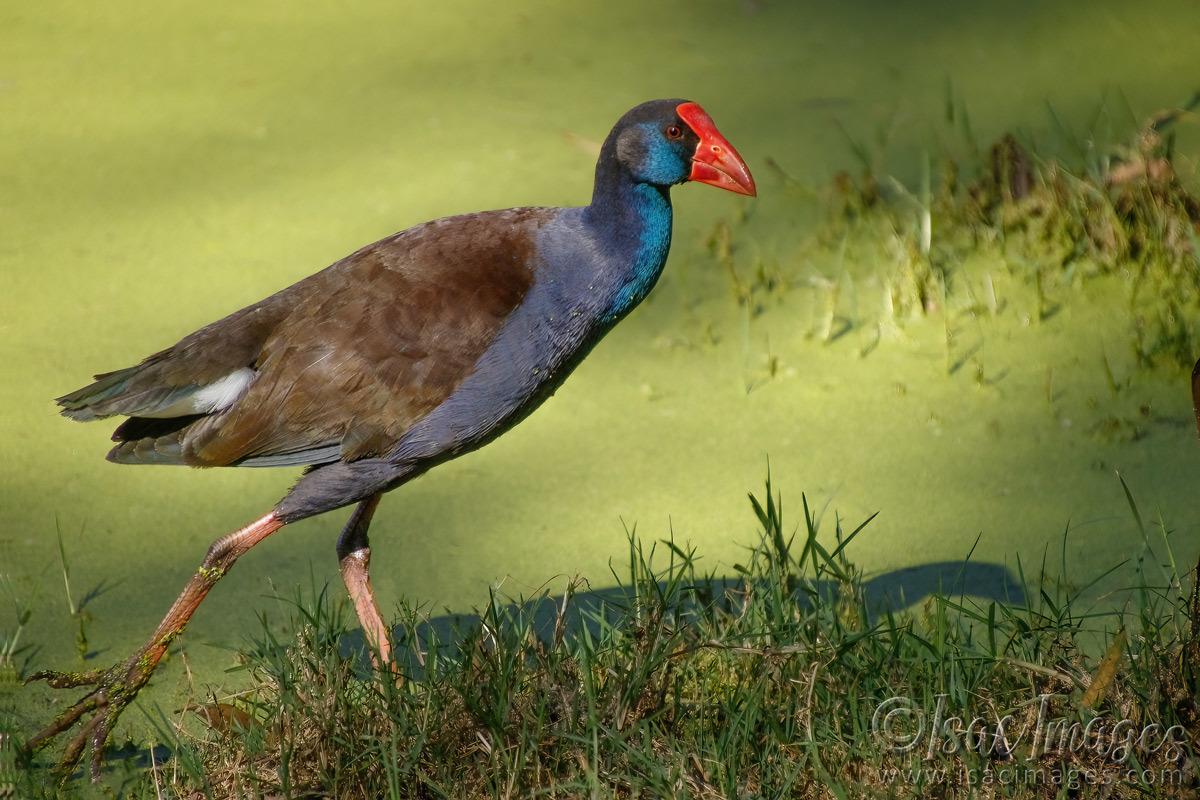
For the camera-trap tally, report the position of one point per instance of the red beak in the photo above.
(715, 162)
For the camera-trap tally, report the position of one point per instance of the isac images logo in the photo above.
(1100, 750)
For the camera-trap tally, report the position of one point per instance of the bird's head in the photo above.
(665, 142)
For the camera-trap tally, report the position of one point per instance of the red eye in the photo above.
(673, 132)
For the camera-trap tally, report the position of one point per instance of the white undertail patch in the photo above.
(216, 396)
(224, 393)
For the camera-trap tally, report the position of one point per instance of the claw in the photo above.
(67, 680)
(115, 687)
(94, 701)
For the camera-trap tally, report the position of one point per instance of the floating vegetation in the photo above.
(1056, 222)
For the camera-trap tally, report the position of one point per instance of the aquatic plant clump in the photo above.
(1129, 213)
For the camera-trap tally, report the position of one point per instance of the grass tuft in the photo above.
(788, 680)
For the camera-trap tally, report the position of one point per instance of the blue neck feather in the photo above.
(633, 221)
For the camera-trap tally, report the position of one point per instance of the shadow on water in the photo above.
(608, 607)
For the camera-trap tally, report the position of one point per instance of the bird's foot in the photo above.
(115, 688)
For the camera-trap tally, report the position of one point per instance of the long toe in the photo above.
(115, 688)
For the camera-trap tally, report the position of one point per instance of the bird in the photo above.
(411, 351)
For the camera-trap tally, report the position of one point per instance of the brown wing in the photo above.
(343, 362)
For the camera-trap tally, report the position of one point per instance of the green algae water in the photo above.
(160, 170)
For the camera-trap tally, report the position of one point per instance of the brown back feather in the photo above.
(359, 352)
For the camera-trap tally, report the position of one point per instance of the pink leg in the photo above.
(354, 558)
(118, 685)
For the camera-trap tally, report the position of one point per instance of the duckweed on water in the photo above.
(1054, 221)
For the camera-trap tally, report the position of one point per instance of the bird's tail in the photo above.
(133, 391)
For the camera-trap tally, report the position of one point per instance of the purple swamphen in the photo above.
(421, 347)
